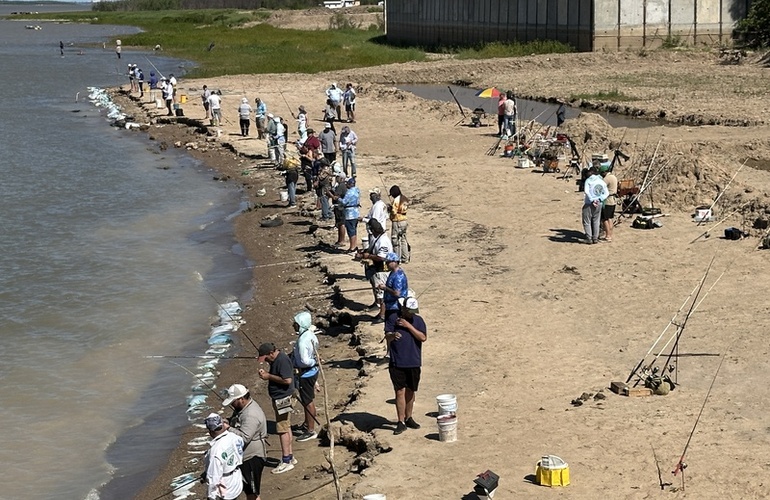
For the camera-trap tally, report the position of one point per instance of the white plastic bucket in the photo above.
(159, 104)
(447, 428)
(702, 214)
(375, 496)
(523, 163)
(447, 403)
(284, 195)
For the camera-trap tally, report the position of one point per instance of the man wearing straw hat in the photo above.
(405, 333)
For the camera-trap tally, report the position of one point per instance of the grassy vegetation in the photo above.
(515, 49)
(243, 50)
(608, 95)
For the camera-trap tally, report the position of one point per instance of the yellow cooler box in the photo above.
(552, 471)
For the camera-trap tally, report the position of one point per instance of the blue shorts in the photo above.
(351, 226)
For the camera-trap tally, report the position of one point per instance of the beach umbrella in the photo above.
(488, 92)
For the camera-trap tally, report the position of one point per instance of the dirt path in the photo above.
(522, 317)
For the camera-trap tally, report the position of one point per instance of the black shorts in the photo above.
(252, 475)
(405, 378)
(307, 389)
(608, 212)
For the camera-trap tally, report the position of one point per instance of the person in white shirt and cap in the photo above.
(250, 424)
(223, 461)
(378, 211)
(335, 96)
(244, 116)
(595, 193)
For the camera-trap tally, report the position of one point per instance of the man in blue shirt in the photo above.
(405, 334)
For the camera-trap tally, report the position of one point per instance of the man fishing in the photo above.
(306, 367)
(249, 423)
(280, 387)
(223, 461)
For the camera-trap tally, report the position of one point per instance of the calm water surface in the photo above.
(102, 238)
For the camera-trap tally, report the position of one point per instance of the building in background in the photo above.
(587, 25)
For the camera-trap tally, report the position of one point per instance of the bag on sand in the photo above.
(644, 223)
(733, 233)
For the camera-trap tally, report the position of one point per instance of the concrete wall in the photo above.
(585, 24)
(623, 24)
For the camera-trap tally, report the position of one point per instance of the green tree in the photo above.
(755, 29)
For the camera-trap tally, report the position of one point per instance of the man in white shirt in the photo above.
(335, 94)
(215, 104)
(377, 272)
(378, 212)
(223, 460)
(348, 141)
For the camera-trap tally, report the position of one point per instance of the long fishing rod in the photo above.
(681, 465)
(154, 67)
(235, 322)
(199, 379)
(287, 104)
(462, 111)
(191, 481)
(203, 356)
(722, 192)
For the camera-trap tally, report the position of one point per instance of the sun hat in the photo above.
(375, 190)
(244, 100)
(326, 125)
(234, 392)
(214, 422)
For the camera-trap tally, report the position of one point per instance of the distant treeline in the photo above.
(135, 5)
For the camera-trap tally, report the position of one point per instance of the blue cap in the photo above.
(392, 257)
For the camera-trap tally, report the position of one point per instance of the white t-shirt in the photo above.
(215, 101)
(379, 212)
(222, 466)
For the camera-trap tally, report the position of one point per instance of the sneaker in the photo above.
(401, 427)
(299, 430)
(307, 436)
(294, 461)
(411, 423)
(283, 467)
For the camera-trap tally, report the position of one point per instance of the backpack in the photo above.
(733, 233)
(644, 223)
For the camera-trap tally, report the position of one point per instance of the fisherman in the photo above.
(348, 141)
(405, 333)
(375, 268)
(172, 80)
(335, 96)
(61, 47)
(168, 95)
(250, 424)
(330, 114)
(328, 140)
(561, 113)
(215, 104)
(261, 112)
(378, 211)
(395, 287)
(595, 193)
(154, 87)
(309, 151)
(131, 76)
(280, 387)
(302, 123)
(244, 116)
(501, 113)
(279, 140)
(398, 224)
(608, 209)
(222, 461)
(205, 98)
(509, 123)
(350, 202)
(323, 185)
(349, 99)
(339, 188)
(140, 81)
(292, 177)
(306, 369)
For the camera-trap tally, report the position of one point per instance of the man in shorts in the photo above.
(280, 385)
(608, 210)
(306, 369)
(249, 423)
(405, 333)
(349, 98)
(376, 269)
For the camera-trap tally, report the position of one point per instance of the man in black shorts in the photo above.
(248, 422)
(608, 210)
(405, 333)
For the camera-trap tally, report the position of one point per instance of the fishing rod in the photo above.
(462, 111)
(722, 192)
(191, 481)
(154, 67)
(235, 322)
(199, 379)
(681, 465)
(287, 104)
(203, 356)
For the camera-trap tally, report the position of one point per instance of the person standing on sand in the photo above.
(348, 141)
(375, 267)
(280, 387)
(509, 123)
(306, 366)
(215, 103)
(168, 95)
(330, 115)
(595, 193)
(328, 140)
(292, 177)
(279, 140)
(223, 461)
(205, 98)
(398, 224)
(500, 114)
(261, 112)
(608, 209)
(309, 151)
(140, 81)
(379, 210)
(405, 333)
(337, 194)
(154, 87)
(395, 287)
(351, 201)
(250, 424)
(349, 99)
(561, 113)
(131, 76)
(335, 98)
(244, 116)
(302, 123)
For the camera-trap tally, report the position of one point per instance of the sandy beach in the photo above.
(522, 316)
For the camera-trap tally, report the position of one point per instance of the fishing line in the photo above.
(200, 278)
